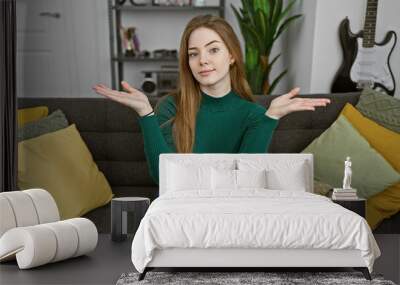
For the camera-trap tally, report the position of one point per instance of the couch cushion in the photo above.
(381, 108)
(371, 172)
(60, 163)
(55, 121)
(31, 114)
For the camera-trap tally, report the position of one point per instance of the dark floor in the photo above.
(102, 266)
(111, 259)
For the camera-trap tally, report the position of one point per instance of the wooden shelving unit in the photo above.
(118, 59)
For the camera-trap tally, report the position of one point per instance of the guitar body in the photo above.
(371, 65)
(364, 66)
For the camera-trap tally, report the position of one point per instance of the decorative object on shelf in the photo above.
(149, 85)
(171, 2)
(140, 2)
(160, 81)
(347, 174)
(198, 3)
(344, 194)
(164, 53)
(130, 41)
(167, 79)
(261, 23)
(144, 54)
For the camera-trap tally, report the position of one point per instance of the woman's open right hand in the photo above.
(133, 98)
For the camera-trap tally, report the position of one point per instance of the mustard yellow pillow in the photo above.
(28, 115)
(61, 163)
(387, 143)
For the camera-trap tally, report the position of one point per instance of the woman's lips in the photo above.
(205, 73)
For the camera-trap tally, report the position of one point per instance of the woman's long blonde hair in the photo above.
(187, 96)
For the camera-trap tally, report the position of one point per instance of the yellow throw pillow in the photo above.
(61, 163)
(387, 143)
(28, 115)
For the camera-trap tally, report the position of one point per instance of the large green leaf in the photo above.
(286, 10)
(277, 13)
(260, 19)
(276, 81)
(271, 10)
(252, 55)
(265, 7)
(249, 35)
(248, 7)
(254, 37)
(285, 24)
(272, 63)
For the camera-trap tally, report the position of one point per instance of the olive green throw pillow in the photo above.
(61, 163)
(381, 108)
(53, 122)
(371, 173)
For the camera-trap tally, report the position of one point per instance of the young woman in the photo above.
(213, 110)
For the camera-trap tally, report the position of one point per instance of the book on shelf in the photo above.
(340, 190)
(346, 196)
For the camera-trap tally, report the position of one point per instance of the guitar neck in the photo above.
(370, 23)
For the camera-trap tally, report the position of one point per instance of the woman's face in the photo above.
(209, 58)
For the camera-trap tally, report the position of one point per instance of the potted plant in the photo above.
(261, 22)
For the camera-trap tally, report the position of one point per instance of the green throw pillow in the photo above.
(381, 108)
(371, 173)
(53, 122)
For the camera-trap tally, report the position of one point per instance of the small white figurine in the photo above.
(347, 174)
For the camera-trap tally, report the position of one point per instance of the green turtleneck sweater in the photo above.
(228, 124)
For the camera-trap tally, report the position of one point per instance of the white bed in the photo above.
(229, 218)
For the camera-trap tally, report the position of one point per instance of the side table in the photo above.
(119, 221)
(356, 205)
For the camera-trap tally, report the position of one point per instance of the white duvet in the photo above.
(252, 218)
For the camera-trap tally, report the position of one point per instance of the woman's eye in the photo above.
(214, 50)
(192, 54)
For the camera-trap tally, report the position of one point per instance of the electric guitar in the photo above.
(365, 62)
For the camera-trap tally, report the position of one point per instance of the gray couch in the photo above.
(112, 134)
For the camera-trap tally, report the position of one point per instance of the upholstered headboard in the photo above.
(210, 159)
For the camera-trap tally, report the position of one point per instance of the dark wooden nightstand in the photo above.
(357, 206)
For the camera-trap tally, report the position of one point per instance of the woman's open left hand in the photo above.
(286, 104)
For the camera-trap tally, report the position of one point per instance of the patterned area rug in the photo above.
(243, 278)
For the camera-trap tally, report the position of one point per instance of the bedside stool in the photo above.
(356, 205)
(119, 208)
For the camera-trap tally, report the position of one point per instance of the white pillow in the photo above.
(186, 177)
(236, 179)
(281, 174)
(223, 179)
(293, 180)
(251, 178)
